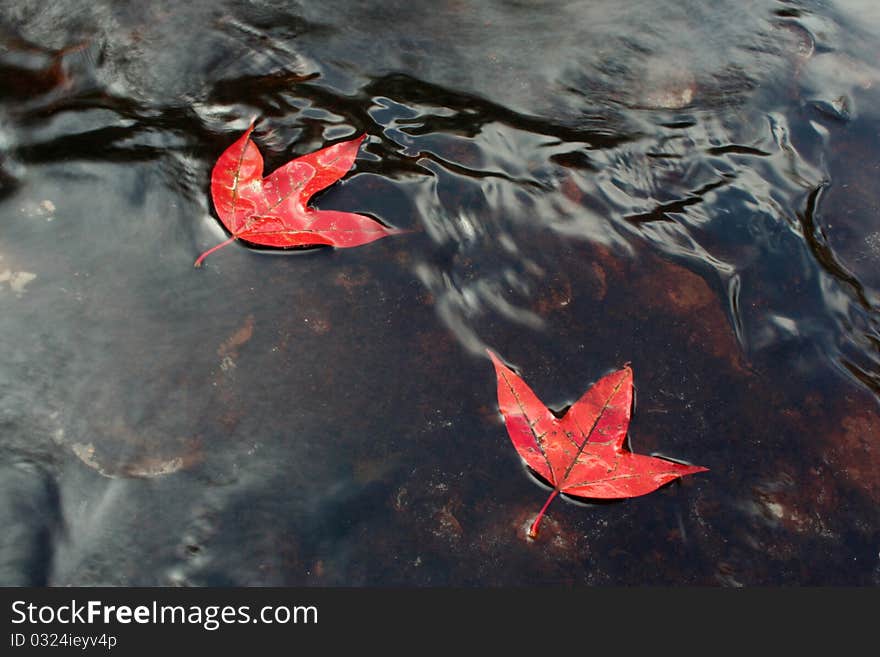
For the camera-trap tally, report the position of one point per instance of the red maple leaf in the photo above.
(273, 211)
(582, 452)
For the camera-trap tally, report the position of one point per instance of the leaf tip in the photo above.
(496, 361)
(625, 376)
(686, 470)
(247, 133)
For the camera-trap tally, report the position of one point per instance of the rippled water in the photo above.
(687, 186)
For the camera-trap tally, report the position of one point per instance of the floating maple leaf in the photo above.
(273, 211)
(582, 453)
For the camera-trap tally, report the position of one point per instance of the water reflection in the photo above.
(685, 186)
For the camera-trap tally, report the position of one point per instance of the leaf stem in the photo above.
(533, 530)
(211, 250)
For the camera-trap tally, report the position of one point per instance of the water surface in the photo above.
(686, 186)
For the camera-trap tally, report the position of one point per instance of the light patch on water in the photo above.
(86, 454)
(786, 324)
(16, 280)
(667, 83)
(156, 468)
(45, 209)
(147, 468)
(872, 241)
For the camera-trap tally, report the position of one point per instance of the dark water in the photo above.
(687, 186)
